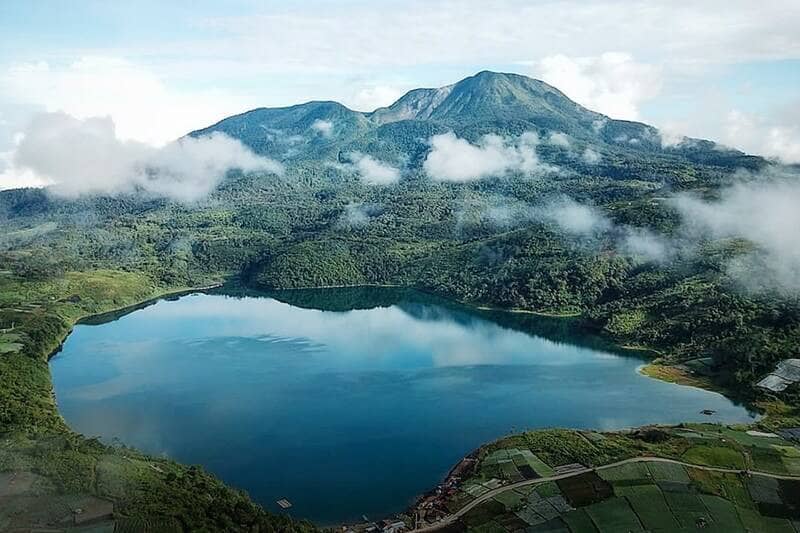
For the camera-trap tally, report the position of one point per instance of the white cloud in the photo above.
(765, 212)
(762, 210)
(85, 157)
(612, 83)
(358, 215)
(354, 216)
(142, 105)
(642, 243)
(374, 96)
(599, 124)
(323, 127)
(373, 171)
(12, 177)
(670, 137)
(590, 156)
(773, 133)
(559, 139)
(575, 218)
(454, 159)
(779, 138)
(165, 91)
(571, 217)
(583, 220)
(469, 32)
(496, 211)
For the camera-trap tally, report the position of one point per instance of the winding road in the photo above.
(450, 519)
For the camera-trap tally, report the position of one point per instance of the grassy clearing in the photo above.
(510, 499)
(742, 437)
(679, 376)
(722, 456)
(767, 460)
(792, 465)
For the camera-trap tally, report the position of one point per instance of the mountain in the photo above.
(488, 102)
(418, 104)
(494, 97)
(287, 131)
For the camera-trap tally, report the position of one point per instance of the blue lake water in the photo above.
(354, 409)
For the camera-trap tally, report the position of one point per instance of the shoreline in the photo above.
(37, 441)
(125, 309)
(456, 468)
(51, 353)
(704, 384)
(663, 372)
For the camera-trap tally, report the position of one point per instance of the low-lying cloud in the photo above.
(644, 244)
(590, 157)
(493, 211)
(582, 222)
(358, 215)
(570, 217)
(574, 218)
(372, 171)
(85, 157)
(587, 221)
(323, 127)
(559, 139)
(765, 212)
(455, 159)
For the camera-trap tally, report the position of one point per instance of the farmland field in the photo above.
(644, 494)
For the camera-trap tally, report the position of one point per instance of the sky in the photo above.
(723, 70)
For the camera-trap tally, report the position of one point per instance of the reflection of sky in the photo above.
(380, 336)
(299, 403)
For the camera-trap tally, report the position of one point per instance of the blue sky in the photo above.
(729, 71)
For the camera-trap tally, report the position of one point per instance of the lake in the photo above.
(347, 402)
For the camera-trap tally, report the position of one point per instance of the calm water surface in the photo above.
(346, 411)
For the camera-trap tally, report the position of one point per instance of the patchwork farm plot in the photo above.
(515, 464)
(708, 478)
(644, 496)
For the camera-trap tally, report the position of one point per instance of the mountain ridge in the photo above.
(504, 104)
